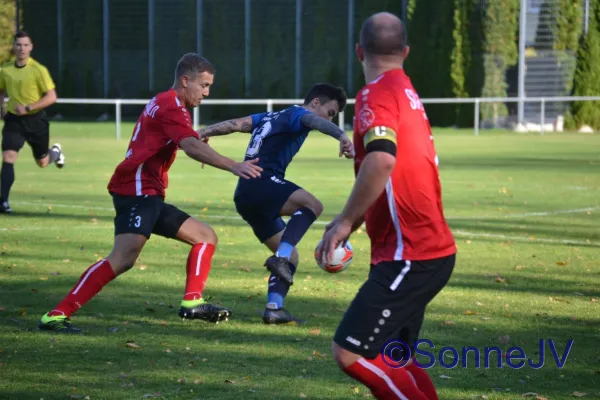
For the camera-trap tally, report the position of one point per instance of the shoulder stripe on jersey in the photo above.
(378, 133)
(177, 101)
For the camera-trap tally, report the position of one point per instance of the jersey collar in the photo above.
(23, 66)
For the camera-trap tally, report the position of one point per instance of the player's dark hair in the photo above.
(383, 34)
(326, 92)
(191, 64)
(20, 35)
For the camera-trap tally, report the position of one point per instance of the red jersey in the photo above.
(163, 124)
(407, 221)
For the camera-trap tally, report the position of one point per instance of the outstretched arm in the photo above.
(200, 151)
(227, 127)
(315, 122)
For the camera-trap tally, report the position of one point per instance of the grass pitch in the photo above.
(524, 210)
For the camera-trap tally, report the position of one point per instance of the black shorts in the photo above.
(391, 304)
(145, 215)
(33, 129)
(259, 201)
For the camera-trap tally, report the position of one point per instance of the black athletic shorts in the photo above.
(391, 304)
(33, 129)
(259, 201)
(145, 215)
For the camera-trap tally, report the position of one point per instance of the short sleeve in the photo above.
(376, 115)
(177, 124)
(296, 119)
(45, 82)
(256, 119)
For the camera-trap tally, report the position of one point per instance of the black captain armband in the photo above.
(380, 138)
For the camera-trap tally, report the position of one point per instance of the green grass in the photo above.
(519, 274)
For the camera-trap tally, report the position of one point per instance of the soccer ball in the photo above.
(342, 258)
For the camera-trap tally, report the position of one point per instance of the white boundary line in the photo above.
(517, 215)
(455, 232)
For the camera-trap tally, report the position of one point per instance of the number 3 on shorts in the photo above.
(138, 221)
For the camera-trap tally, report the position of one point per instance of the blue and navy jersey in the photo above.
(276, 138)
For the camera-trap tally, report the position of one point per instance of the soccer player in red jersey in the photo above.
(138, 190)
(397, 194)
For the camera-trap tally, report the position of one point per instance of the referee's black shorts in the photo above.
(391, 304)
(33, 129)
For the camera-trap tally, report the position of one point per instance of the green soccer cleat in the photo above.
(58, 324)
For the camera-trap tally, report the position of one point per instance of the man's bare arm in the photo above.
(46, 101)
(370, 183)
(227, 127)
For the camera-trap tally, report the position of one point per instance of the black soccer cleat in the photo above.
(58, 324)
(5, 208)
(206, 312)
(280, 316)
(280, 267)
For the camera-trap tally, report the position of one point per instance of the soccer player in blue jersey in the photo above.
(276, 138)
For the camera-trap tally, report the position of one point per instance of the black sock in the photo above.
(296, 227)
(7, 177)
(53, 154)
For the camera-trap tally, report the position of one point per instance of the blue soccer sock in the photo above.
(296, 227)
(277, 290)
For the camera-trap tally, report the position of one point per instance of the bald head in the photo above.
(383, 34)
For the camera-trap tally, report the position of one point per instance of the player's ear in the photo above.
(406, 51)
(359, 53)
(184, 81)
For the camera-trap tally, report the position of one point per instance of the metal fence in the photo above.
(269, 103)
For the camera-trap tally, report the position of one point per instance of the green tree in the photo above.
(500, 47)
(587, 75)
(7, 29)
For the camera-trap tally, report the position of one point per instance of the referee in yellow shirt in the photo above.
(30, 90)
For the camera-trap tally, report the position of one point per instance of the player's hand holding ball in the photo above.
(331, 249)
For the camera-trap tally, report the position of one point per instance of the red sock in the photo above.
(91, 282)
(384, 381)
(198, 267)
(423, 380)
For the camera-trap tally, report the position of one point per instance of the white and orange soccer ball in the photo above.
(342, 258)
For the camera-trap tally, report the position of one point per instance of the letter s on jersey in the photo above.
(415, 102)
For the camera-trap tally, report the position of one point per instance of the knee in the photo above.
(207, 236)
(317, 207)
(343, 357)
(123, 261)
(9, 157)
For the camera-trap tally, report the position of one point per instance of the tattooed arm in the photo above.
(227, 127)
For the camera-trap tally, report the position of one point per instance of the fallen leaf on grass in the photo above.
(133, 344)
(143, 267)
(562, 263)
(444, 377)
(230, 381)
(499, 279)
(2, 309)
(55, 273)
(181, 380)
(519, 267)
(593, 300)
(355, 390)
(578, 394)
(530, 394)
(22, 311)
(152, 395)
(481, 396)
(66, 260)
(302, 396)
(469, 312)
(317, 354)
(314, 332)
(245, 269)
(557, 300)
(43, 278)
